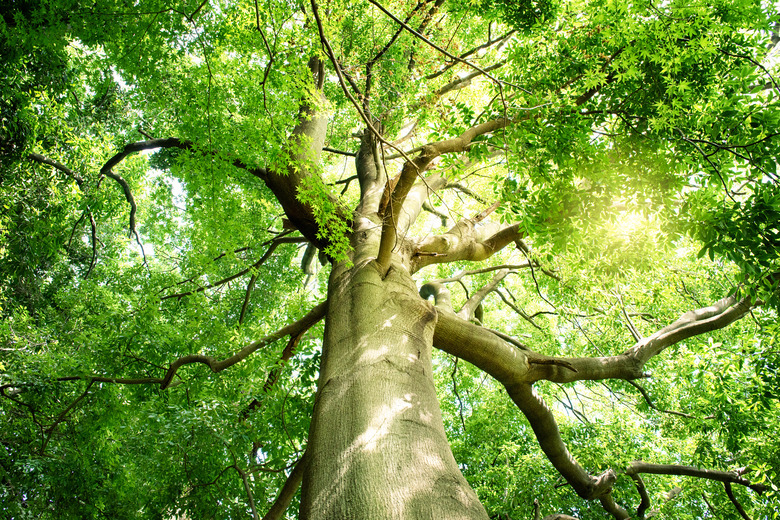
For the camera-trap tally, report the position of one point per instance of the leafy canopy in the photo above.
(640, 162)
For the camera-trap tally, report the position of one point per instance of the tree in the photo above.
(194, 183)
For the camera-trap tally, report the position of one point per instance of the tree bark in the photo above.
(377, 444)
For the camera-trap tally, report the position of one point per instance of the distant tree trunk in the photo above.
(377, 444)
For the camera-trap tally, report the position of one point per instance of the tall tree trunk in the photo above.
(377, 445)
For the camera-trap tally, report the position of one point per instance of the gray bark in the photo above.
(377, 444)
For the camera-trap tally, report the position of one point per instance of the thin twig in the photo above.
(650, 403)
(443, 51)
(453, 376)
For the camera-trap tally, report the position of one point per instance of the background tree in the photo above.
(576, 204)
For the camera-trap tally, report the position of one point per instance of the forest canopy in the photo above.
(375, 259)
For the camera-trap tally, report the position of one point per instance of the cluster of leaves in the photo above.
(746, 232)
(521, 15)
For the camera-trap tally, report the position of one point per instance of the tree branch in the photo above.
(313, 316)
(417, 197)
(443, 51)
(441, 295)
(630, 324)
(463, 189)
(737, 505)
(467, 310)
(462, 82)
(731, 477)
(293, 329)
(340, 152)
(62, 415)
(80, 183)
(547, 434)
(433, 211)
(519, 311)
(462, 274)
(171, 142)
(249, 288)
(707, 319)
(644, 504)
(554, 516)
(652, 405)
(59, 166)
(611, 507)
(396, 196)
(94, 240)
(276, 242)
(372, 61)
(755, 63)
(464, 242)
(468, 53)
(288, 491)
(248, 490)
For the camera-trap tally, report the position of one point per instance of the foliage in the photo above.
(641, 165)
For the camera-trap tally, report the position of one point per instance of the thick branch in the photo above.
(287, 492)
(392, 211)
(731, 477)
(568, 370)
(480, 347)
(417, 197)
(508, 365)
(441, 295)
(304, 149)
(369, 172)
(396, 194)
(546, 429)
(644, 504)
(129, 149)
(693, 323)
(611, 507)
(628, 366)
(733, 498)
(464, 242)
(59, 166)
(463, 141)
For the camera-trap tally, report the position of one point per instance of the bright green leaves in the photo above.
(521, 15)
(635, 122)
(330, 214)
(641, 101)
(746, 232)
